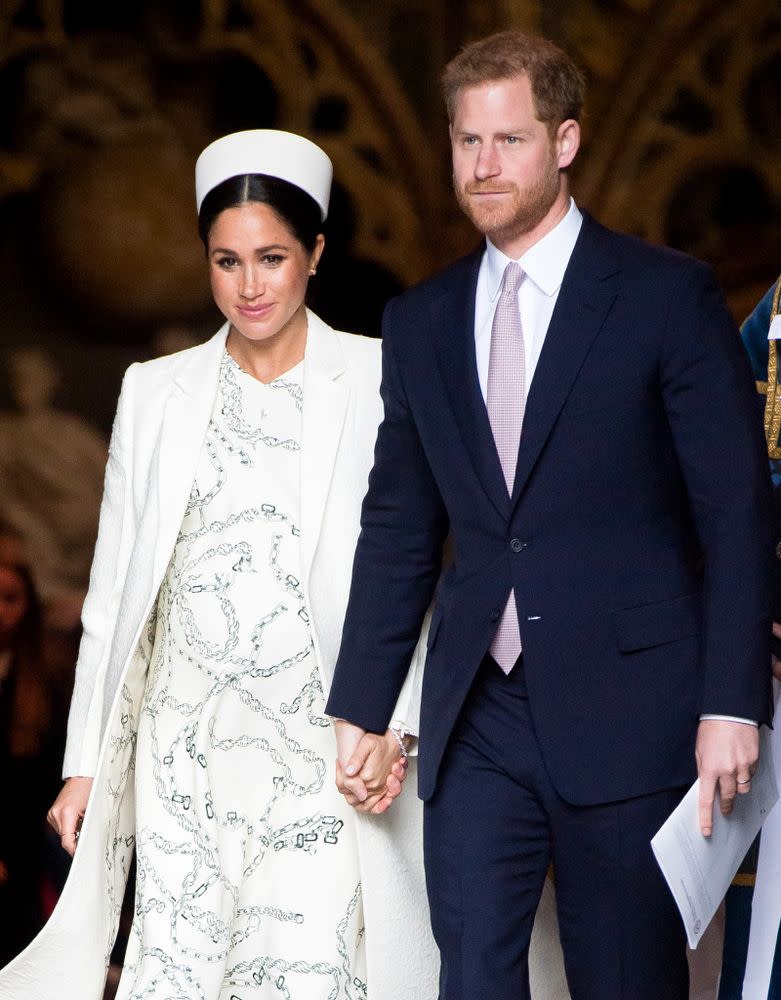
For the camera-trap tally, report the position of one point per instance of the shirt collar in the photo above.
(546, 261)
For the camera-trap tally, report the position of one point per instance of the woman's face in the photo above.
(259, 271)
(13, 603)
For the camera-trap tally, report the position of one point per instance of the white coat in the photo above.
(161, 421)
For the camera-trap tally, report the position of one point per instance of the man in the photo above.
(608, 604)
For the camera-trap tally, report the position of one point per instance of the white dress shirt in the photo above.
(544, 265)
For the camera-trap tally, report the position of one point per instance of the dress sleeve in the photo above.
(101, 606)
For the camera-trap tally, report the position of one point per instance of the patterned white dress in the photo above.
(248, 883)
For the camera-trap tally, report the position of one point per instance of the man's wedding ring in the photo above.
(746, 781)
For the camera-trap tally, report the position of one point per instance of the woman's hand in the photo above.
(348, 736)
(66, 814)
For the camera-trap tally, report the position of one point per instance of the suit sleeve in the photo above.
(397, 561)
(708, 392)
(101, 606)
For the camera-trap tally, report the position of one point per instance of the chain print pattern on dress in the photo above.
(234, 794)
(236, 426)
(278, 971)
(120, 841)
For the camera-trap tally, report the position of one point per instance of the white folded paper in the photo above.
(699, 869)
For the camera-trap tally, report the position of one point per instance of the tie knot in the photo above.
(512, 278)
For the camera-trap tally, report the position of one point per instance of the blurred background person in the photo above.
(761, 333)
(51, 478)
(28, 752)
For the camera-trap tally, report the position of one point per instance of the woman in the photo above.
(211, 626)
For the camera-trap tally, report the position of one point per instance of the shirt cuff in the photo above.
(729, 718)
(412, 739)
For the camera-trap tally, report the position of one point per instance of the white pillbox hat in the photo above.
(284, 155)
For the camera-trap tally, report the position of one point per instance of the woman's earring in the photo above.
(313, 270)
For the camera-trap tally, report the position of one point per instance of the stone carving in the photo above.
(51, 480)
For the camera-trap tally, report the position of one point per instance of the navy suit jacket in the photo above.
(637, 537)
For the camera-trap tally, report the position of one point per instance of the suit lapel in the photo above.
(326, 394)
(185, 422)
(587, 294)
(454, 322)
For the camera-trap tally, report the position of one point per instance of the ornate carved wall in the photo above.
(682, 145)
(109, 111)
(104, 112)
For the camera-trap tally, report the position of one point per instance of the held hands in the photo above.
(66, 814)
(727, 754)
(369, 768)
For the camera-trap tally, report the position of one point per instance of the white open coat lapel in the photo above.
(326, 394)
(185, 422)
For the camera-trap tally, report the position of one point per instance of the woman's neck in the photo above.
(271, 357)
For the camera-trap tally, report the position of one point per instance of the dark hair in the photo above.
(556, 82)
(297, 209)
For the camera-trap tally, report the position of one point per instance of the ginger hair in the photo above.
(557, 84)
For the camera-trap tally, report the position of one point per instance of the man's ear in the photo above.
(567, 142)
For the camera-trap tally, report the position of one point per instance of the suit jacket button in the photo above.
(516, 545)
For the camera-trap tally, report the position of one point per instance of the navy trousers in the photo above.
(491, 830)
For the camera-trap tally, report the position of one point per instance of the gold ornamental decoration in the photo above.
(773, 398)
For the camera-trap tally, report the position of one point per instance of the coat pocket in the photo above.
(659, 623)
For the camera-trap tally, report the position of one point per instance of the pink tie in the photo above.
(506, 399)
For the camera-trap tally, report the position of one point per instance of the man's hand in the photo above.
(727, 754)
(66, 814)
(348, 737)
(776, 662)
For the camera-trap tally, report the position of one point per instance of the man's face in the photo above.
(506, 165)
